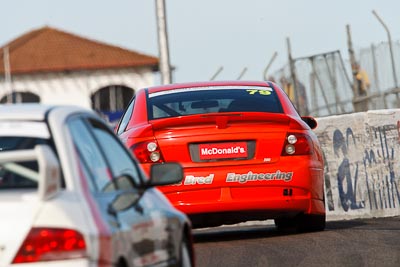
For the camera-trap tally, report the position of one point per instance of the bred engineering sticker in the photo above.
(192, 180)
(251, 177)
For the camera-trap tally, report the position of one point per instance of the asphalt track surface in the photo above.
(361, 242)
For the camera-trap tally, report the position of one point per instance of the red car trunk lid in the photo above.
(234, 138)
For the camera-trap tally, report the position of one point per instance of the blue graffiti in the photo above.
(347, 190)
(380, 178)
(387, 193)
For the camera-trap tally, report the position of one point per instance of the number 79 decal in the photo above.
(256, 91)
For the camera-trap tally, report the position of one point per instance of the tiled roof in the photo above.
(51, 50)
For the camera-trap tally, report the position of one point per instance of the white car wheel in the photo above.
(185, 260)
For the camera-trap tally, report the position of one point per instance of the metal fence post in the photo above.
(358, 105)
(293, 77)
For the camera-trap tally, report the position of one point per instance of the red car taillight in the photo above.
(47, 244)
(147, 152)
(297, 144)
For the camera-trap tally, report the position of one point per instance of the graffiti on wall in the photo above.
(347, 172)
(379, 165)
(361, 172)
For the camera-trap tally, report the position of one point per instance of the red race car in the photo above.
(246, 152)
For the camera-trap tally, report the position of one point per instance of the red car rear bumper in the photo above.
(250, 192)
(267, 199)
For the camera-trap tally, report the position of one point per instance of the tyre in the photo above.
(185, 259)
(311, 222)
(302, 223)
(285, 224)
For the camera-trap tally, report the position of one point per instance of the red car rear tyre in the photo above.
(302, 223)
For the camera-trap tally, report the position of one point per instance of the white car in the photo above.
(72, 195)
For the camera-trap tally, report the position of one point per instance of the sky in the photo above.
(241, 36)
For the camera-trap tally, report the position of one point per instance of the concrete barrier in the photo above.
(362, 164)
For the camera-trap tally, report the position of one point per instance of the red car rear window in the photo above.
(203, 100)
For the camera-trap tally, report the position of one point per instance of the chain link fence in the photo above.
(327, 81)
(384, 74)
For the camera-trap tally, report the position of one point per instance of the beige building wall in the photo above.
(76, 87)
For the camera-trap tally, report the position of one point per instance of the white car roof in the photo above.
(32, 112)
(30, 119)
(35, 112)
